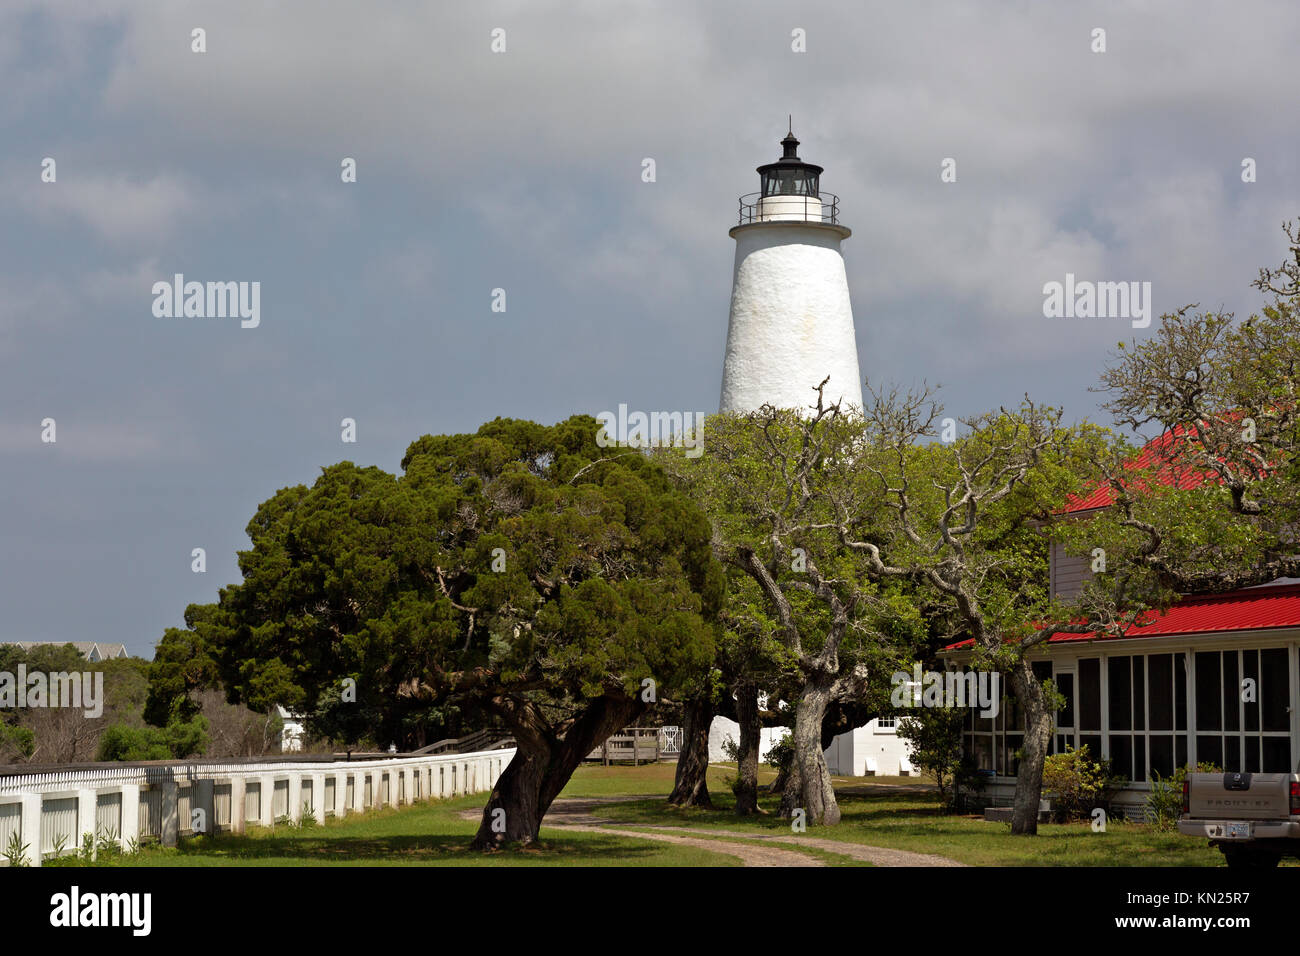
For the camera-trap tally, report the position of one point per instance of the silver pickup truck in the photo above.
(1253, 818)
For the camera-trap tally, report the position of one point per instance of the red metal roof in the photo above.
(1250, 609)
(1155, 454)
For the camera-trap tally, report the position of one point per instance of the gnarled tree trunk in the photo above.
(778, 783)
(808, 786)
(543, 763)
(747, 751)
(1038, 738)
(691, 784)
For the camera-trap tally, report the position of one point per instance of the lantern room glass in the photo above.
(790, 181)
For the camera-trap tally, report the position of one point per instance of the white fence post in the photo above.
(340, 794)
(238, 811)
(267, 805)
(31, 826)
(130, 813)
(318, 797)
(86, 800)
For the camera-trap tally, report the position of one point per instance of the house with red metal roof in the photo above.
(1214, 678)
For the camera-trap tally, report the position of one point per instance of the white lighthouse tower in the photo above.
(791, 323)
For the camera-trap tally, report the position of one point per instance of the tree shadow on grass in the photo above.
(423, 848)
(911, 810)
(879, 803)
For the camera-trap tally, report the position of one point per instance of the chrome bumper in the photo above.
(1259, 829)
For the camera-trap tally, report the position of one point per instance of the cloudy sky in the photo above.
(522, 170)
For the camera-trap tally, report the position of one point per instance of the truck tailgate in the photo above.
(1243, 796)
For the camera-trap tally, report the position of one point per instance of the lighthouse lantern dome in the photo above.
(789, 175)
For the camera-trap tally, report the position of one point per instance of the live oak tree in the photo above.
(765, 481)
(850, 527)
(690, 775)
(974, 519)
(1216, 502)
(752, 662)
(748, 662)
(520, 573)
(962, 521)
(1211, 504)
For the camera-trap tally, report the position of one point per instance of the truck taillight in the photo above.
(1187, 804)
(1295, 797)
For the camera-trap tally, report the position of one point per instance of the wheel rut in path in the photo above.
(582, 813)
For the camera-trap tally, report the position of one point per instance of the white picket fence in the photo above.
(51, 812)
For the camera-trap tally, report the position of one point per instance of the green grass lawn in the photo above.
(431, 833)
(882, 812)
(905, 820)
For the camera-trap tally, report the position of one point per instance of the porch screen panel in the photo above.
(1065, 716)
(1119, 694)
(1139, 693)
(1065, 685)
(1090, 705)
(1090, 694)
(977, 735)
(1209, 707)
(1180, 709)
(1231, 691)
(1124, 682)
(1160, 714)
(1238, 730)
(1274, 702)
(1276, 690)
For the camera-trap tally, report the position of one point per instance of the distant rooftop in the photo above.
(90, 650)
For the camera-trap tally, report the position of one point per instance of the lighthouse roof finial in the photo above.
(789, 175)
(790, 145)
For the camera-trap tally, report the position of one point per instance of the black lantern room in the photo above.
(790, 176)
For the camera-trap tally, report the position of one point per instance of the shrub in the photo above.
(16, 743)
(1078, 784)
(16, 852)
(780, 755)
(730, 748)
(120, 742)
(934, 734)
(174, 742)
(1165, 803)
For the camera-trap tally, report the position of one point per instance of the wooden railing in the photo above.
(636, 744)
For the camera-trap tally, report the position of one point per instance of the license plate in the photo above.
(1236, 831)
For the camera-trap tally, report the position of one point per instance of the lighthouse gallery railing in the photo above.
(755, 207)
